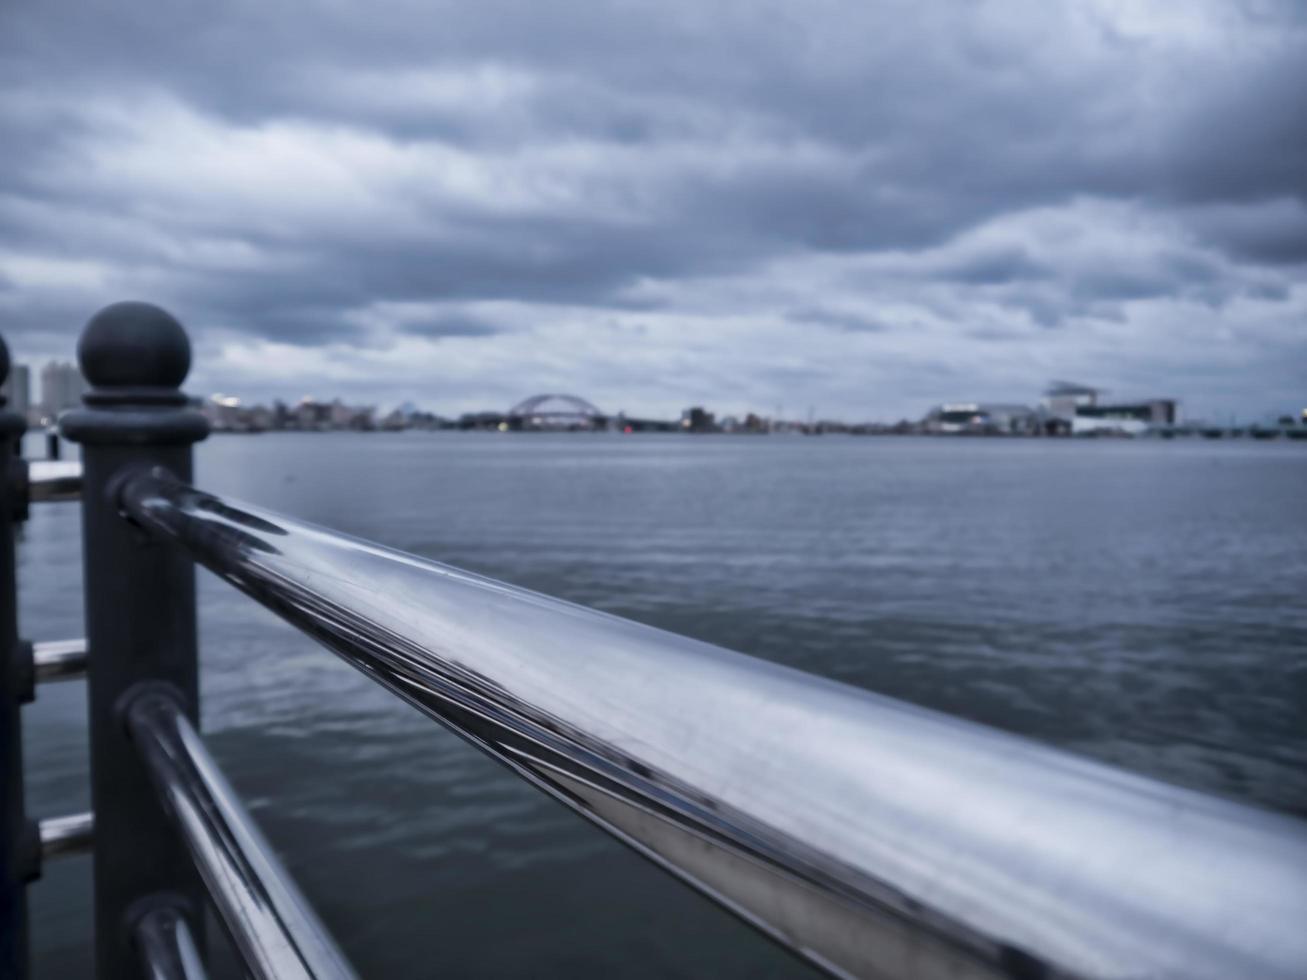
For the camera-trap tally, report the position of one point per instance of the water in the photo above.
(1143, 603)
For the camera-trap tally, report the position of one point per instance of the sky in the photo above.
(855, 209)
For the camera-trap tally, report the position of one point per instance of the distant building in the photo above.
(409, 416)
(226, 414)
(484, 421)
(223, 413)
(62, 387)
(696, 419)
(342, 416)
(1064, 398)
(311, 415)
(1084, 411)
(1131, 418)
(17, 390)
(980, 418)
(625, 423)
(260, 418)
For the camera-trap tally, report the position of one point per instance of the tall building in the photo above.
(17, 389)
(62, 387)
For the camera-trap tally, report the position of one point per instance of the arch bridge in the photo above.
(556, 411)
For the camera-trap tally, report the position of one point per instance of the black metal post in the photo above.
(17, 834)
(140, 609)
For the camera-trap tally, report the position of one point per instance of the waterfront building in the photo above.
(223, 412)
(1131, 418)
(408, 416)
(226, 414)
(1063, 399)
(978, 418)
(626, 423)
(62, 387)
(358, 417)
(310, 415)
(260, 418)
(698, 419)
(1083, 410)
(315, 416)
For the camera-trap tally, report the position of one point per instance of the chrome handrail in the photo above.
(166, 946)
(271, 924)
(873, 837)
(54, 480)
(59, 660)
(71, 834)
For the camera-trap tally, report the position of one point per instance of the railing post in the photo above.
(17, 837)
(140, 610)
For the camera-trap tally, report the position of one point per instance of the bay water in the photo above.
(1143, 603)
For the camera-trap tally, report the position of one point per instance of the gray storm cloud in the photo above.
(863, 207)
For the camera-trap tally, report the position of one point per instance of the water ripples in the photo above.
(1139, 603)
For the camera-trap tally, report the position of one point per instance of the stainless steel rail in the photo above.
(54, 480)
(875, 838)
(167, 949)
(58, 660)
(61, 836)
(270, 923)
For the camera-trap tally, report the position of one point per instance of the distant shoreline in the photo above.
(1241, 435)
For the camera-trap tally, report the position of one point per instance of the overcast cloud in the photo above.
(861, 207)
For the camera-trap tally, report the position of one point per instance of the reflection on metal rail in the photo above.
(58, 660)
(271, 924)
(873, 837)
(62, 836)
(54, 480)
(167, 949)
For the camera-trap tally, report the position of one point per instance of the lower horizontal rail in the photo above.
(166, 946)
(59, 660)
(50, 481)
(875, 838)
(61, 836)
(270, 923)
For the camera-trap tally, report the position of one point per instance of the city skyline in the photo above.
(62, 385)
(863, 208)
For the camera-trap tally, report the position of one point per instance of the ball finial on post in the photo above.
(135, 356)
(133, 347)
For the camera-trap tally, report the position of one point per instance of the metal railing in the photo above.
(53, 480)
(167, 948)
(58, 660)
(871, 837)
